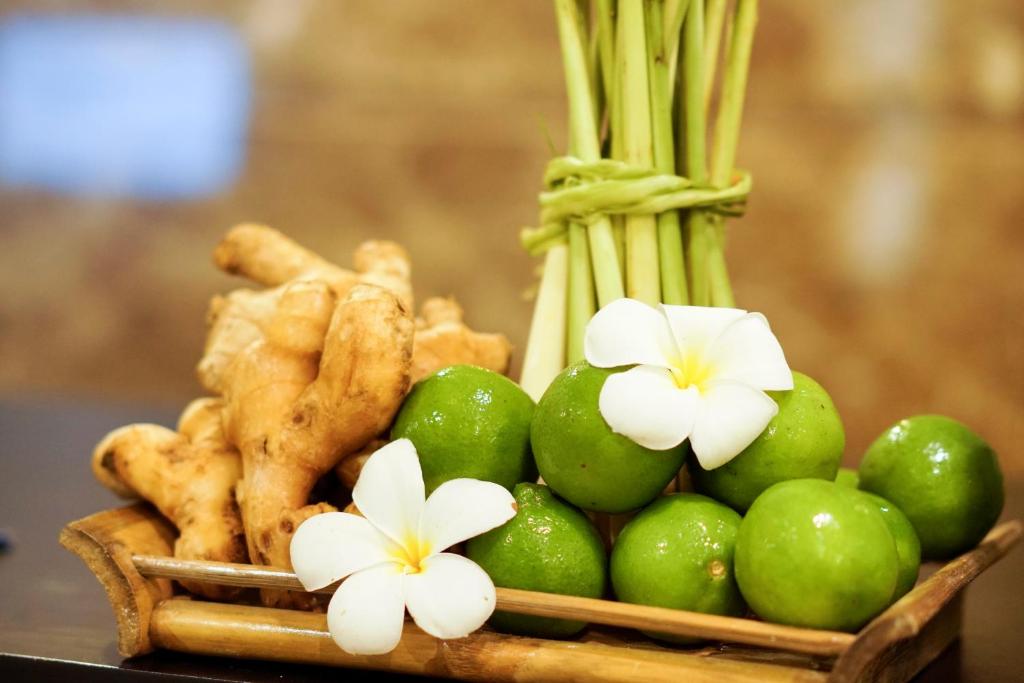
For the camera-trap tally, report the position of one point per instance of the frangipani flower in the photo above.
(700, 373)
(392, 556)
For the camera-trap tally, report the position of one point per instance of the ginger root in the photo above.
(326, 378)
(267, 257)
(234, 322)
(442, 339)
(309, 372)
(348, 469)
(190, 477)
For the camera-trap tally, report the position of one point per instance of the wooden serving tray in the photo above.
(129, 550)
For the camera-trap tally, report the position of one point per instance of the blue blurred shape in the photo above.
(118, 105)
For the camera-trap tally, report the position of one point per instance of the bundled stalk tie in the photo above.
(582, 192)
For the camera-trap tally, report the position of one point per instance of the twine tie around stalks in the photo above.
(581, 192)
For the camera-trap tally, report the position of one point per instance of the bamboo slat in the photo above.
(293, 636)
(675, 622)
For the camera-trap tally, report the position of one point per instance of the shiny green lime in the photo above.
(583, 460)
(812, 553)
(804, 441)
(848, 477)
(908, 547)
(944, 478)
(549, 546)
(678, 553)
(466, 421)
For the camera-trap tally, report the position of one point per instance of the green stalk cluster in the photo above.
(640, 76)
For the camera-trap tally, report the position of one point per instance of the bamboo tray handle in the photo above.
(106, 541)
(881, 645)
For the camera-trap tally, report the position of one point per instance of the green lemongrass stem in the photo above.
(718, 272)
(607, 25)
(642, 268)
(734, 87)
(593, 61)
(580, 302)
(675, 13)
(714, 20)
(619, 235)
(594, 73)
(584, 137)
(581, 292)
(727, 132)
(606, 48)
(671, 264)
(545, 347)
(699, 230)
(649, 195)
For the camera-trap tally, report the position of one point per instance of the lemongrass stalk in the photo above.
(693, 119)
(667, 193)
(718, 272)
(734, 87)
(594, 62)
(605, 25)
(642, 278)
(675, 13)
(580, 303)
(583, 133)
(714, 19)
(670, 238)
(617, 141)
(619, 234)
(699, 230)
(727, 133)
(607, 14)
(581, 292)
(545, 347)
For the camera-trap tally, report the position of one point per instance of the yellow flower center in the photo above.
(692, 370)
(410, 555)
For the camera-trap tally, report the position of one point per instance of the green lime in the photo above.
(466, 421)
(678, 553)
(812, 553)
(944, 478)
(583, 460)
(804, 441)
(848, 477)
(908, 547)
(549, 546)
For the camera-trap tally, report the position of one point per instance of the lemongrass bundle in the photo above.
(637, 208)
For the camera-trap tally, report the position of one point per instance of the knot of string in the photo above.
(581, 192)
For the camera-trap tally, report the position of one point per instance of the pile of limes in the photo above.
(781, 529)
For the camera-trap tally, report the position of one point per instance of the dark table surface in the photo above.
(56, 623)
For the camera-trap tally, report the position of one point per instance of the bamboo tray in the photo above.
(129, 550)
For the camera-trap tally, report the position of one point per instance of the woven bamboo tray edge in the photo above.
(116, 543)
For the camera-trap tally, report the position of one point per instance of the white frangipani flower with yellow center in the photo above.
(393, 555)
(700, 373)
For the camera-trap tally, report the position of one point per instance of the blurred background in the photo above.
(884, 237)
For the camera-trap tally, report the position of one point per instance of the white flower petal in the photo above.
(628, 332)
(366, 613)
(645, 405)
(748, 352)
(329, 547)
(390, 491)
(460, 509)
(695, 328)
(731, 416)
(450, 597)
